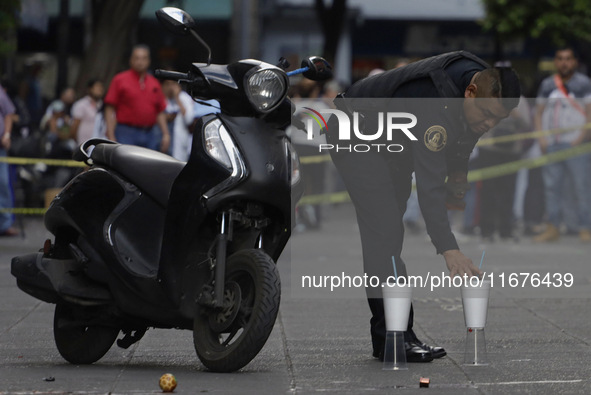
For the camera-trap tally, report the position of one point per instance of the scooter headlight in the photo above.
(218, 143)
(220, 146)
(266, 88)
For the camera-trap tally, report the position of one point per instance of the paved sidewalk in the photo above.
(535, 345)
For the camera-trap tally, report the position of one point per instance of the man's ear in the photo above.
(470, 91)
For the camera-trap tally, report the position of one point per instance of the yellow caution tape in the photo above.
(48, 162)
(306, 160)
(24, 211)
(326, 198)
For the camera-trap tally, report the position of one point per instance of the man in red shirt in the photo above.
(135, 103)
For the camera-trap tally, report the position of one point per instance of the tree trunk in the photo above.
(110, 41)
(332, 20)
(499, 55)
(63, 33)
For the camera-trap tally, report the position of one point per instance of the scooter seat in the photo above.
(151, 171)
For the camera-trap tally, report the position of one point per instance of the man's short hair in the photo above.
(139, 46)
(503, 83)
(567, 48)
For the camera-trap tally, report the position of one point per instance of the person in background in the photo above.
(7, 112)
(56, 120)
(67, 97)
(180, 108)
(134, 104)
(564, 101)
(57, 115)
(84, 112)
(17, 91)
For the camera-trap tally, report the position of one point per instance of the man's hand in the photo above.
(165, 143)
(111, 122)
(6, 141)
(459, 264)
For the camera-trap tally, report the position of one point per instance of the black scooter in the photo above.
(143, 240)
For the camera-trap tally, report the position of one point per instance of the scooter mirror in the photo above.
(319, 68)
(175, 20)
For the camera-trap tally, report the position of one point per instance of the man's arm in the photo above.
(111, 102)
(7, 110)
(587, 132)
(431, 170)
(546, 87)
(7, 131)
(538, 125)
(74, 128)
(186, 104)
(161, 121)
(110, 121)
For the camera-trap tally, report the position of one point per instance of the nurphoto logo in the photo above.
(390, 119)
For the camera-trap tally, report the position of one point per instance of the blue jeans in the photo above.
(554, 176)
(6, 220)
(149, 138)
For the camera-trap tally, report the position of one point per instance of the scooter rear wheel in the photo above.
(80, 344)
(259, 297)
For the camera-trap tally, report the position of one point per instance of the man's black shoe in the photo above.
(436, 352)
(414, 353)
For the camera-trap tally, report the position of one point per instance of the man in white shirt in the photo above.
(180, 111)
(84, 112)
(564, 101)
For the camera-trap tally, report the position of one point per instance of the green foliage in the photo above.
(557, 20)
(8, 21)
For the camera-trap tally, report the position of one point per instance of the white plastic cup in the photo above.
(397, 300)
(475, 302)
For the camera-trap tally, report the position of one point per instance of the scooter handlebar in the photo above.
(171, 75)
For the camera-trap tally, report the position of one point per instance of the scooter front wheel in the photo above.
(229, 346)
(80, 344)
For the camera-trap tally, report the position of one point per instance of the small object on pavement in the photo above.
(49, 378)
(167, 382)
(424, 382)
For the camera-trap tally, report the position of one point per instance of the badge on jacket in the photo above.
(435, 138)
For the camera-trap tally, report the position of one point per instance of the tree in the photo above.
(111, 40)
(8, 22)
(560, 21)
(331, 20)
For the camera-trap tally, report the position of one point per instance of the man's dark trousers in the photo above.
(379, 193)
